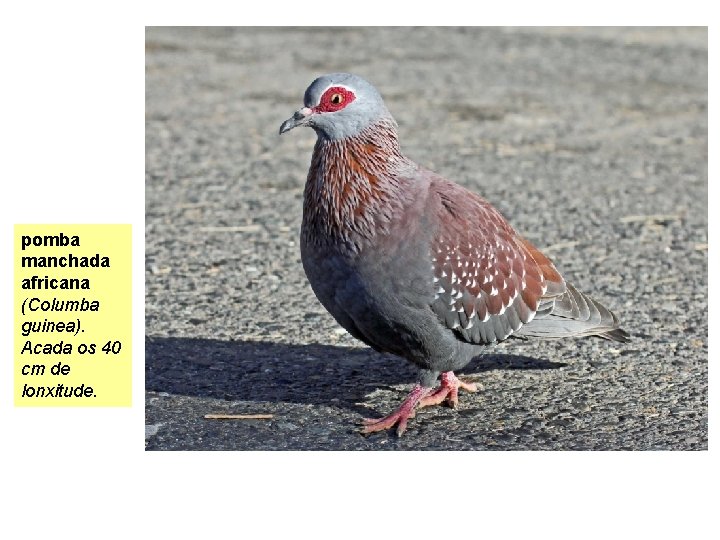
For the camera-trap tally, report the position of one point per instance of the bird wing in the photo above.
(491, 283)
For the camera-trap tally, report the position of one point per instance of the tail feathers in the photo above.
(574, 314)
(616, 335)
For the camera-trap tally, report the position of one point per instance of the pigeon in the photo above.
(413, 264)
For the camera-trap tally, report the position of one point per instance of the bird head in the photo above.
(337, 106)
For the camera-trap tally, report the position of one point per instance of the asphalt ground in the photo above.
(593, 142)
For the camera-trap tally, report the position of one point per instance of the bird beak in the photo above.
(300, 118)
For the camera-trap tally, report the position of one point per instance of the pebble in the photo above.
(151, 429)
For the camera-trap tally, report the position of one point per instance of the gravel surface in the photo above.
(592, 141)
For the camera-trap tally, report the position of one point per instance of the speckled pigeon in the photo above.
(413, 264)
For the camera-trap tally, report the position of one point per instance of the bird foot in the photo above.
(448, 391)
(420, 397)
(400, 416)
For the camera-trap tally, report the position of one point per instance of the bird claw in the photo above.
(420, 397)
(400, 416)
(381, 424)
(395, 415)
(448, 391)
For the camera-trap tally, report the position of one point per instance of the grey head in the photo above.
(337, 106)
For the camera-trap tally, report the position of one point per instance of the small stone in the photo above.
(151, 430)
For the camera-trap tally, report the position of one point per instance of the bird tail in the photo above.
(616, 335)
(573, 313)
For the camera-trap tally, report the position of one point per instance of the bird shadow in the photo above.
(280, 372)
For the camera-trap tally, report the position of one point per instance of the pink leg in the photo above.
(402, 414)
(420, 397)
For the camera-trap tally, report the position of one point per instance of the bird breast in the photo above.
(354, 191)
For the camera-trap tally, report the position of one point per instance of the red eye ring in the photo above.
(334, 99)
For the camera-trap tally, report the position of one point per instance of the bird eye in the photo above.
(334, 99)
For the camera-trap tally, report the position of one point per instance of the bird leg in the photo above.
(401, 415)
(419, 397)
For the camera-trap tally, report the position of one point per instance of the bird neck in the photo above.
(354, 187)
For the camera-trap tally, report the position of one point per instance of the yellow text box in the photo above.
(73, 315)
